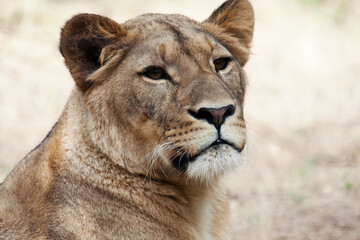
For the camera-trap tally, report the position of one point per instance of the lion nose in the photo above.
(215, 116)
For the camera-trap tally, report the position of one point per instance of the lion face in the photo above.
(170, 88)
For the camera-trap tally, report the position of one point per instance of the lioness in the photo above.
(153, 124)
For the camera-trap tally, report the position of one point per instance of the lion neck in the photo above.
(95, 160)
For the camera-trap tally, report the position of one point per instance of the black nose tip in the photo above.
(215, 116)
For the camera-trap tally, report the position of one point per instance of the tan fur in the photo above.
(131, 157)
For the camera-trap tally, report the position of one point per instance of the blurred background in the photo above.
(301, 177)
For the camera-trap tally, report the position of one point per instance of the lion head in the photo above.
(163, 94)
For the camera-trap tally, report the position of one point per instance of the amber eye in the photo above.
(221, 63)
(156, 73)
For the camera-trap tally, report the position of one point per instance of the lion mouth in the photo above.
(216, 145)
(220, 142)
(182, 160)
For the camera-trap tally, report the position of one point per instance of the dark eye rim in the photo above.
(164, 73)
(227, 61)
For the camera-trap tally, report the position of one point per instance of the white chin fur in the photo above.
(214, 163)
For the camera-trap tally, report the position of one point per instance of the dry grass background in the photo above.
(301, 179)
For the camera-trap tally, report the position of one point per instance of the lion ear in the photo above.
(82, 40)
(233, 25)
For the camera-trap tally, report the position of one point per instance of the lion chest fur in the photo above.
(154, 123)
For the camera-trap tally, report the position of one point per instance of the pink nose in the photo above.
(215, 116)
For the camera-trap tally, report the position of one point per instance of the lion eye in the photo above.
(221, 63)
(156, 73)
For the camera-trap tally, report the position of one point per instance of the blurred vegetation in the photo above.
(297, 197)
(348, 185)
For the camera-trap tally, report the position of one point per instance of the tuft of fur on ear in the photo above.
(233, 25)
(82, 40)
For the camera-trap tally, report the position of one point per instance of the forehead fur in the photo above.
(182, 29)
(151, 21)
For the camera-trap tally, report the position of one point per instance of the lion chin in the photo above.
(214, 162)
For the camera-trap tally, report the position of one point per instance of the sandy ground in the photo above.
(301, 178)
